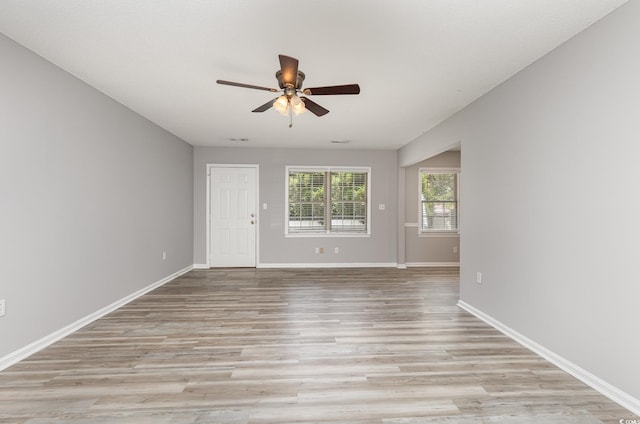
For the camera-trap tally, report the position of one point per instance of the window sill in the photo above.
(355, 235)
(439, 234)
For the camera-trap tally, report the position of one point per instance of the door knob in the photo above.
(253, 222)
(252, 215)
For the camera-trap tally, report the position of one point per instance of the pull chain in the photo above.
(290, 116)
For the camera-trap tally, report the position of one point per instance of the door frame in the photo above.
(211, 166)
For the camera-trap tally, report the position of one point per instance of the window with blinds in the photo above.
(307, 202)
(327, 200)
(438, 200)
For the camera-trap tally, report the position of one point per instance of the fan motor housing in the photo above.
(299, 80)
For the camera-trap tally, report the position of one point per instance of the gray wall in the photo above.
(274, 247)
(550, 215)
(435, 248)
(90, 195)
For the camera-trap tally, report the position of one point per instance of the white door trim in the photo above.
(210, 166)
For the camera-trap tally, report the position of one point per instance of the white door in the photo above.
(233, 220)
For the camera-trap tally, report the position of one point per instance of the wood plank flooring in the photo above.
(245, 346)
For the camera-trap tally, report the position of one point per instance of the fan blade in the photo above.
(265, 106)
(314, 107)
(334, 89)
(239, 84)
(289, 68)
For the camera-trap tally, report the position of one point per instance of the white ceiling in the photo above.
(417, 62)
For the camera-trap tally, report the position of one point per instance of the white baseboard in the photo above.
(201, 266)
(431, 264)
(330, 265)
(30, 349)
(622, 398)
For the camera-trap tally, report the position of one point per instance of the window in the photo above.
(327, 200)
(438, 200)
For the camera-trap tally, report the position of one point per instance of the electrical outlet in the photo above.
(2, 308)
(336, 250)
(479, 277)
(455, 249)
(317, 250)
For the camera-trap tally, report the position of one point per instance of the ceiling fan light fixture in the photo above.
(281, 104)
(290, 80)
(297, 105)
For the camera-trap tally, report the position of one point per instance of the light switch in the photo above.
(264, 206)
(381, 206)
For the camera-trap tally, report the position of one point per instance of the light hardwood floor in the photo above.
(381, 346)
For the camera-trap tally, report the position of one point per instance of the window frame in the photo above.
(328, 170)
(438, 232)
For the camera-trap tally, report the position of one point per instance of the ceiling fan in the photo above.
(290, 80)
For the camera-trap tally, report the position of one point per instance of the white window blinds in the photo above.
(327, 200)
